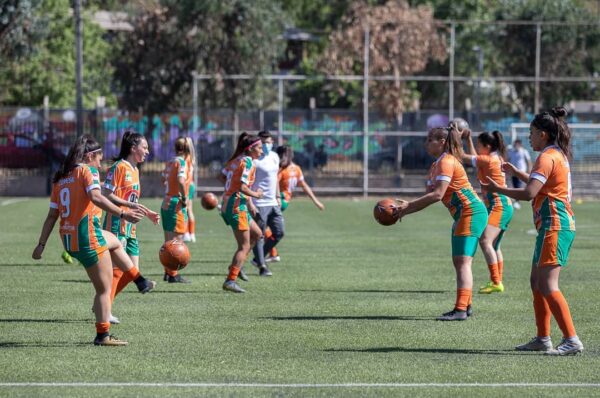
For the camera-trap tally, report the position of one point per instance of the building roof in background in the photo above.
(114, 21)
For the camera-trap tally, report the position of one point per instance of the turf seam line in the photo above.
(304, 385)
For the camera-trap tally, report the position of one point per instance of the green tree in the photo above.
(19, 27)
(49, 69)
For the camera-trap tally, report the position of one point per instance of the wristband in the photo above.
(122, 214)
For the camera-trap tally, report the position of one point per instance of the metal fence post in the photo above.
(366, 115)
(538, 49)
(451, 71)
(280, 111)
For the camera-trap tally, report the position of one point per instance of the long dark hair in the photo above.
(495, 141)
(130, 139)
(82, 146)
(286, 155)
(244, 140)
(453, 144)
(555, 125)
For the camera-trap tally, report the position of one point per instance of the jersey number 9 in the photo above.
(65, 201)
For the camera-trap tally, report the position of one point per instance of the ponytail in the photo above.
(495, 141)
(555, 125)
(82, 146)
(182, 146)
(244, 141)
(130, 139)
(286, 155)
(454, 144)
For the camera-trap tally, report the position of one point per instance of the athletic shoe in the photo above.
(517, 205)
(569, 346)
(536, 344)
(272, 259)
(264, 271)
(114, 320)
(242, 275)
(232, 287)
(66, 257)
(469, 310)
(454, 315)
(193, 238)
(147, 286)
(165, 277)
(255, 263)
(490, 287)
(187, 237)
(109, 341)
(177, 279)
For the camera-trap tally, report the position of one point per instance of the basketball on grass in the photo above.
(209, 201)
(174, 254)
(386, 212)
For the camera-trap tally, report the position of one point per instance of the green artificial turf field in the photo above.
(348, 311)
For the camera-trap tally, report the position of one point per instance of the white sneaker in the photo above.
(569, 346)
(114, 320)
(186, 237)
(536, 344)
(271, 259)
(517, 205)
(193, 238)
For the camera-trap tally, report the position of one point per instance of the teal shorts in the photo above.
(192, 191)
(131, 245)
(174, 217)
(552, 247)
(284, 203)
(88, 258)
(467, 230)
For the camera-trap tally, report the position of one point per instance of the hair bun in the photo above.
(559, 112)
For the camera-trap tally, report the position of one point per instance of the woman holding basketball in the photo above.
(75, 195)
(549, 186)
(122, 187)
(487, 158)
(448, 182)
(236, 208)
(173, 210)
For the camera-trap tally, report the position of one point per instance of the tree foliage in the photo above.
(402, 41)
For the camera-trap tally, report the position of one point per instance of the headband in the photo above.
(253, 144)
(94, 151)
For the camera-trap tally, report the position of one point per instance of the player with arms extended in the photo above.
(449, 183)
(75, 195)
(549, 186)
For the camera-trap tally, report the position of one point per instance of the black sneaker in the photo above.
(231, 286)
(469, 310)
(177, 279)
(242, 275)
(264, 271)
(165, 277)
(146, 286)
(454, 315)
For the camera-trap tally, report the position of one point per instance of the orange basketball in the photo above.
(386, 212)
(174, 254)
(209, 201)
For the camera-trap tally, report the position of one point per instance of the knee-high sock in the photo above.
(501, 270)
(192, 226)
(127, 277)
(560, 310)
(102, 328)
(269, 236)
(542, 314)
(494, 274)
(233, 273)
(117, 275)
(170, 272)
(463, 297)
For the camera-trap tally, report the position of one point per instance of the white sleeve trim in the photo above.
(539, 177)
(53, 205)
(110, 187)
(443, 178)
(93, 186)
(474, 161)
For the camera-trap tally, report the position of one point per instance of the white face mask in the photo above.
(267, 148)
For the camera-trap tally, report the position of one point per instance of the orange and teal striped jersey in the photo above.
(490, 166)
(459, 196)
(289, 179)
(79, 222)
(238, 171)
(552, 205)
(174, 169)
(123, 180)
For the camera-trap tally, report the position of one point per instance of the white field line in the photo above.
(308, 385)
(12, 201)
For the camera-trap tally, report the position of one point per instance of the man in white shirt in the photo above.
(268, 208)
(519, 157)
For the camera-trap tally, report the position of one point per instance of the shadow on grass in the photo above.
(41, 320)
(35, 344)
(351, 318)
(186, 274)
(76, 281)
(428, 350)
(33, 265)
(375, 291)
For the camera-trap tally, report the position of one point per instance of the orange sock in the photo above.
(170, 272)
(542, 314)
(127, 277)
(233, 273)
(501, 270)
(102, 327)
(463, 297)
(192, 226)
(117, 275)
(274, 252)
(494, 274)
(560, 310)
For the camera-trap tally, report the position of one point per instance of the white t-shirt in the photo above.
(267, 168)
(519, 158)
